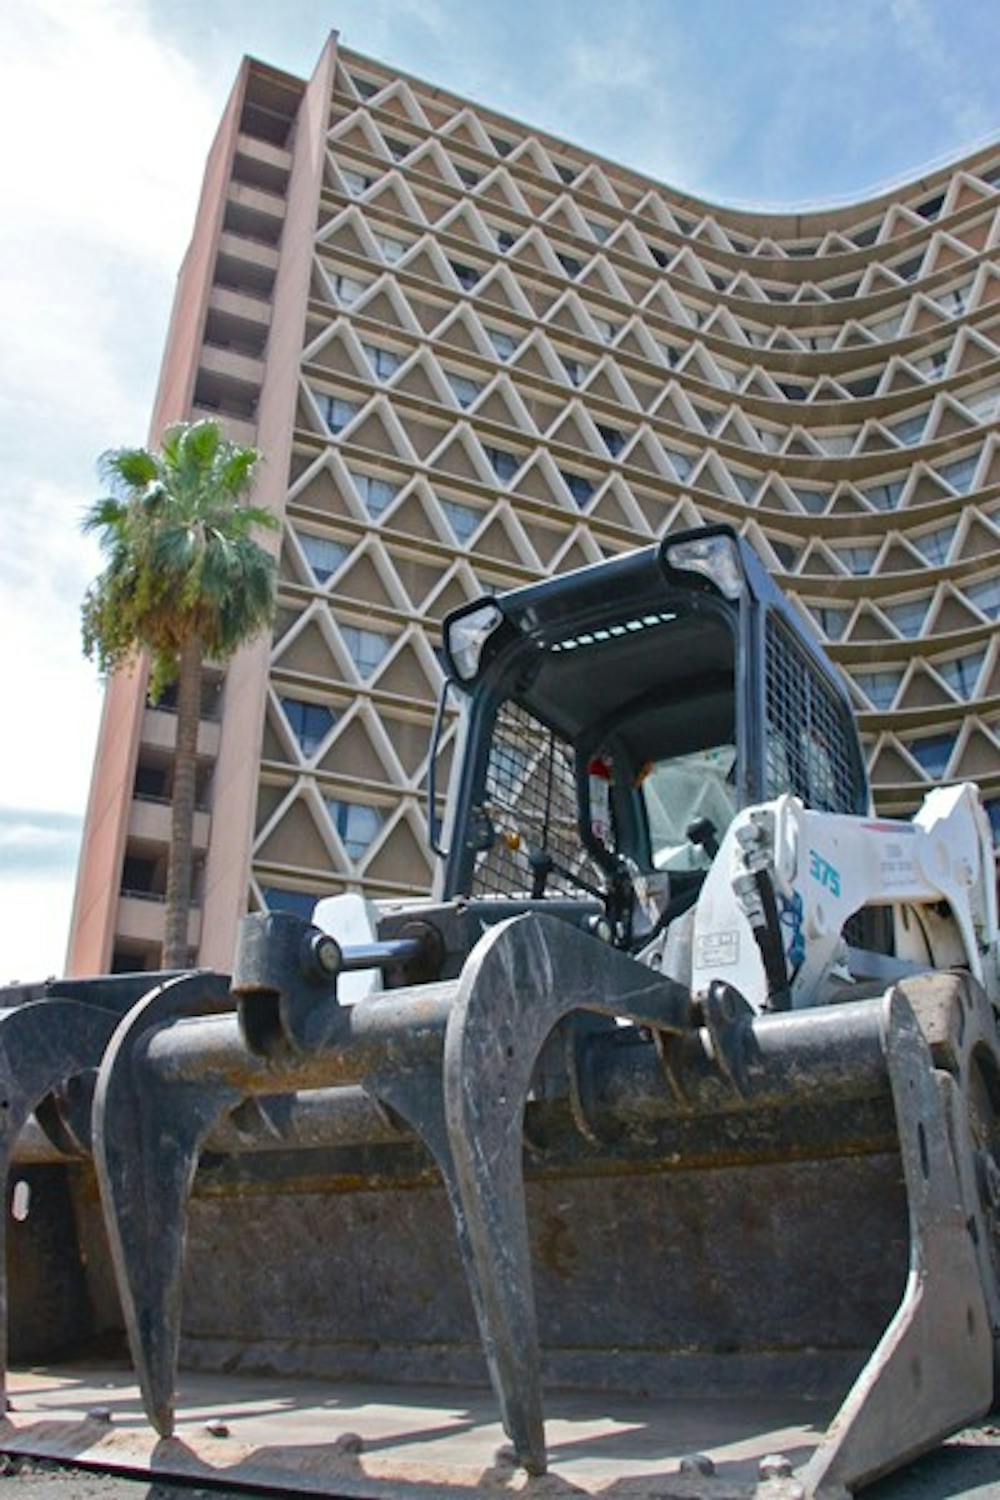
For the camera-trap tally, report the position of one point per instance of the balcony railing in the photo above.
(158, 897)
(166, 801)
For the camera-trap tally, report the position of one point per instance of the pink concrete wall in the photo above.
(237, 769)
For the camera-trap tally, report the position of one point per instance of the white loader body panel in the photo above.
(825, 867)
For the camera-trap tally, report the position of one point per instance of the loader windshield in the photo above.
(681, 791)
(611, 743)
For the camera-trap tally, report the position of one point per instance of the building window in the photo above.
(139, 876)
(832, 621)
(910, 430)
(570, 264)
(983, 405)
(813, 501)
(747, 484)
(953, 301)
(336, 412)
(323, 555)
(467, 276)
(935, 545)
(365, 87)
(505, 240)
(398, 149)
(833, 444)
(464, 520)
(466, 390)
(503, 343)
(377, 494)
(300, 902)
(384, 362)
(578, 485)
(933, 753)
(150, 782)
(931, 207)
(356, 822)
(961, 473)
(605, 330)
(468, 176)
(389, 248)
(506, 464)
(985, 596)
(367, 648)
(613, 440)
(502, 147)
(682, 462)
(346, 289)
(961, 673)
(883, 496)
(600, 231)
(935, 364)
(886, 328)
(576, 371)
(880, 688)
(908, 616)
(858, 559)
(309, 722)
(909, 270)
(992, 808)
(356, 183)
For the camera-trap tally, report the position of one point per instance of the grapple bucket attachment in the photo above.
(653, 1228)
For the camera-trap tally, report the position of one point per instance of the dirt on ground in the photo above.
(967, 1467)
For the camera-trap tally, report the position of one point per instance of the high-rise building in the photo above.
(474, 355)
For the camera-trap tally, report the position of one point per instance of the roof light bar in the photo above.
(603, 633)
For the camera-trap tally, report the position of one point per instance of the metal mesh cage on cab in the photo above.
(809, 735)
(530, 798)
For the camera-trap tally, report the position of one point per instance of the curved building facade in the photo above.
(475, 355)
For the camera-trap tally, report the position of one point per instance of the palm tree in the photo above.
(183, 581)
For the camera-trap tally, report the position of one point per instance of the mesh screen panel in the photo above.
(530, 791)
(809, 745)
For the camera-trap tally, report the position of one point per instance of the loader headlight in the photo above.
(467, 636)
(717, 557)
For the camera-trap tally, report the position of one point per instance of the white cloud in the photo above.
(109, 126)
(645, 103)
(34, 920)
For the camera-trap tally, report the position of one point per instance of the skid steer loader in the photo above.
(674, 1113)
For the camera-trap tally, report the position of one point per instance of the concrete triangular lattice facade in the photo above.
(513, 364)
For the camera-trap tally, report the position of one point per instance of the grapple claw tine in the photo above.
(42, 1045)
(523, 978)
(935, 1357)
(146, 1154)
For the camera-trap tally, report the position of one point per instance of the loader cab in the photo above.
(613, 720)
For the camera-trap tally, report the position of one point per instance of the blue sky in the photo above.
(773, 101)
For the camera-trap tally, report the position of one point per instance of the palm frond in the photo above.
(237, 470)
(106, 514)
(126, 470)
(180, 558)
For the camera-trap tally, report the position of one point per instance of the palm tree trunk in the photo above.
(180, 866)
